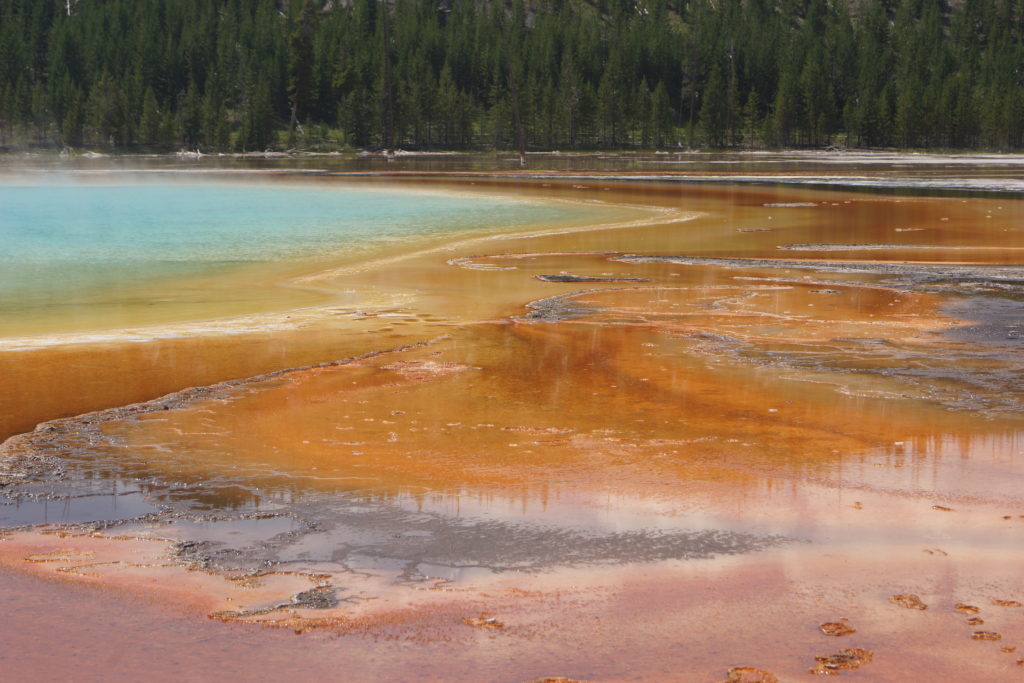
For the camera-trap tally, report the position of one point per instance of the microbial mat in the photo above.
(526, 425)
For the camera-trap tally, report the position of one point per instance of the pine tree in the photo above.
(752, 118)
(191, 119)
(875, 72)
(714, 108)
(258, 129)
(149, 125)
(73, 123)
(300, 64)
(570, 91)
(611, 101)
(661, 116)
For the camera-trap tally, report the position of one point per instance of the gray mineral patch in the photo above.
(997, 321)
(321, 597)
(382, 535)
(558, 308)
(587, 278)
(351, 532)
(951, 277)
(858, 247)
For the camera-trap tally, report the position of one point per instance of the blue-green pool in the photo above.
(64, 245)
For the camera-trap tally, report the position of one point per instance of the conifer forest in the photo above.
(251, 75)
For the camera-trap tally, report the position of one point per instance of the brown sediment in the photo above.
(749, 674)
(844, 660)
(908, 600)
(483, 621)
(986, 635)
(1006, 603)
(836, 628)
(679, 443)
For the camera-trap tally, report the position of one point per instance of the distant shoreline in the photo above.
(55, 153)
(900, 172)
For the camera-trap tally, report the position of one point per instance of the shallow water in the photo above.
(84, 252)
(756, 410)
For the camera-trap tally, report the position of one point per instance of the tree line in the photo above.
(224, 75)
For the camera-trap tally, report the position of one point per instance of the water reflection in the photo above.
(599, 403)
(73, 509)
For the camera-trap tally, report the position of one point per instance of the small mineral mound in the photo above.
(844, 660)
(975, 621)
(941, 508)
(1008, 649)
(966, 609)
(748, 674)
(63, 555)
(556, 679)
(419, 370)
(986, 635)
(1006, 603)
(908, 600)
(483, 621)
(834, 628)
(321, 597)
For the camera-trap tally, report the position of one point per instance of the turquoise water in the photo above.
(63, 244)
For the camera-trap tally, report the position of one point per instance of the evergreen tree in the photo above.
(258, 130)
(714, 108)
(149, 125)
(751, 118)
(177, 73)
(661, 116)
(73, 123)
(300, 63)
(191, 119)
(611, 102)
